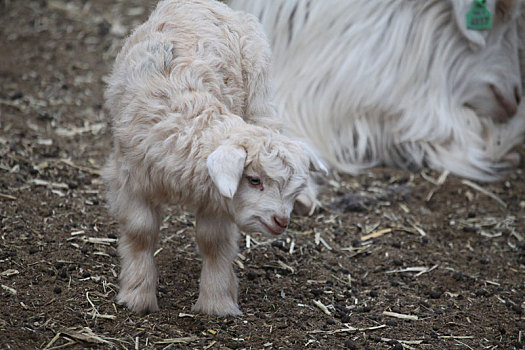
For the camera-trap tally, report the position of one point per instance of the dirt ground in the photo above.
(393, 260)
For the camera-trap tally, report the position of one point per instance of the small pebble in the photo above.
(350, 344)
(425, 304)
(280, 244)
(398, 346)
(517, 309)
(316, 292)
(434, 295)
(481, 292)
(342, 308)
(17, 95)
(57, 290)
(458, 276)
(397, 262)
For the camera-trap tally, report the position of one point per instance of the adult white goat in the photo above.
(399, 83)
(176, 95)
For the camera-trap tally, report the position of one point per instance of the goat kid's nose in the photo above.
(510, 105)
(280, 221)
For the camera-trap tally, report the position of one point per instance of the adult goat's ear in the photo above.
(460, 9)
(225, 166)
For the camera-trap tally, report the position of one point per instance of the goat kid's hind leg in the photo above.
(217, 242)
(139, 221)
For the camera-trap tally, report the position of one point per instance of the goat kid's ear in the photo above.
(316, 163)
(225, 166)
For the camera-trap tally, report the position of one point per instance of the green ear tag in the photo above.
(479, 17)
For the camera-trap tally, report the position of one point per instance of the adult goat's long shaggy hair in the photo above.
(398, 83)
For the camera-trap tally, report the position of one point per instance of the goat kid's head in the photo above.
(262, 180)
(487, 74)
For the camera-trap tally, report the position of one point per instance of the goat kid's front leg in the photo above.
(138, 275)
(217, 242)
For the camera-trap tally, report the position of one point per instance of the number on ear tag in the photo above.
(479, 17)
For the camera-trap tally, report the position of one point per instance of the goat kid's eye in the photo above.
(254, 181)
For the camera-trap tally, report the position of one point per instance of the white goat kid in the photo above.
(176, 94)
(400, 83)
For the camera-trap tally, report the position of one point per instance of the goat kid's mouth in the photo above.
(273, 229)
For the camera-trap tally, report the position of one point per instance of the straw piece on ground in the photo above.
(7, 196)
(181, 340)
(82, 168)
(285, 266)
(9, 273)
(401, 316)
(411, 269)
(87, 335)
(456, 337)
(9, 289)
(210, 345)
(484, 191)
(104, 316)
(323, 308)
(98, 240)
(348, 329)
(376, 234)
(52, 341)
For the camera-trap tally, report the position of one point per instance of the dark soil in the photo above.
(449, 257)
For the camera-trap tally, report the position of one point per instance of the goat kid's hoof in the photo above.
(221, 308)
(138, 302)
